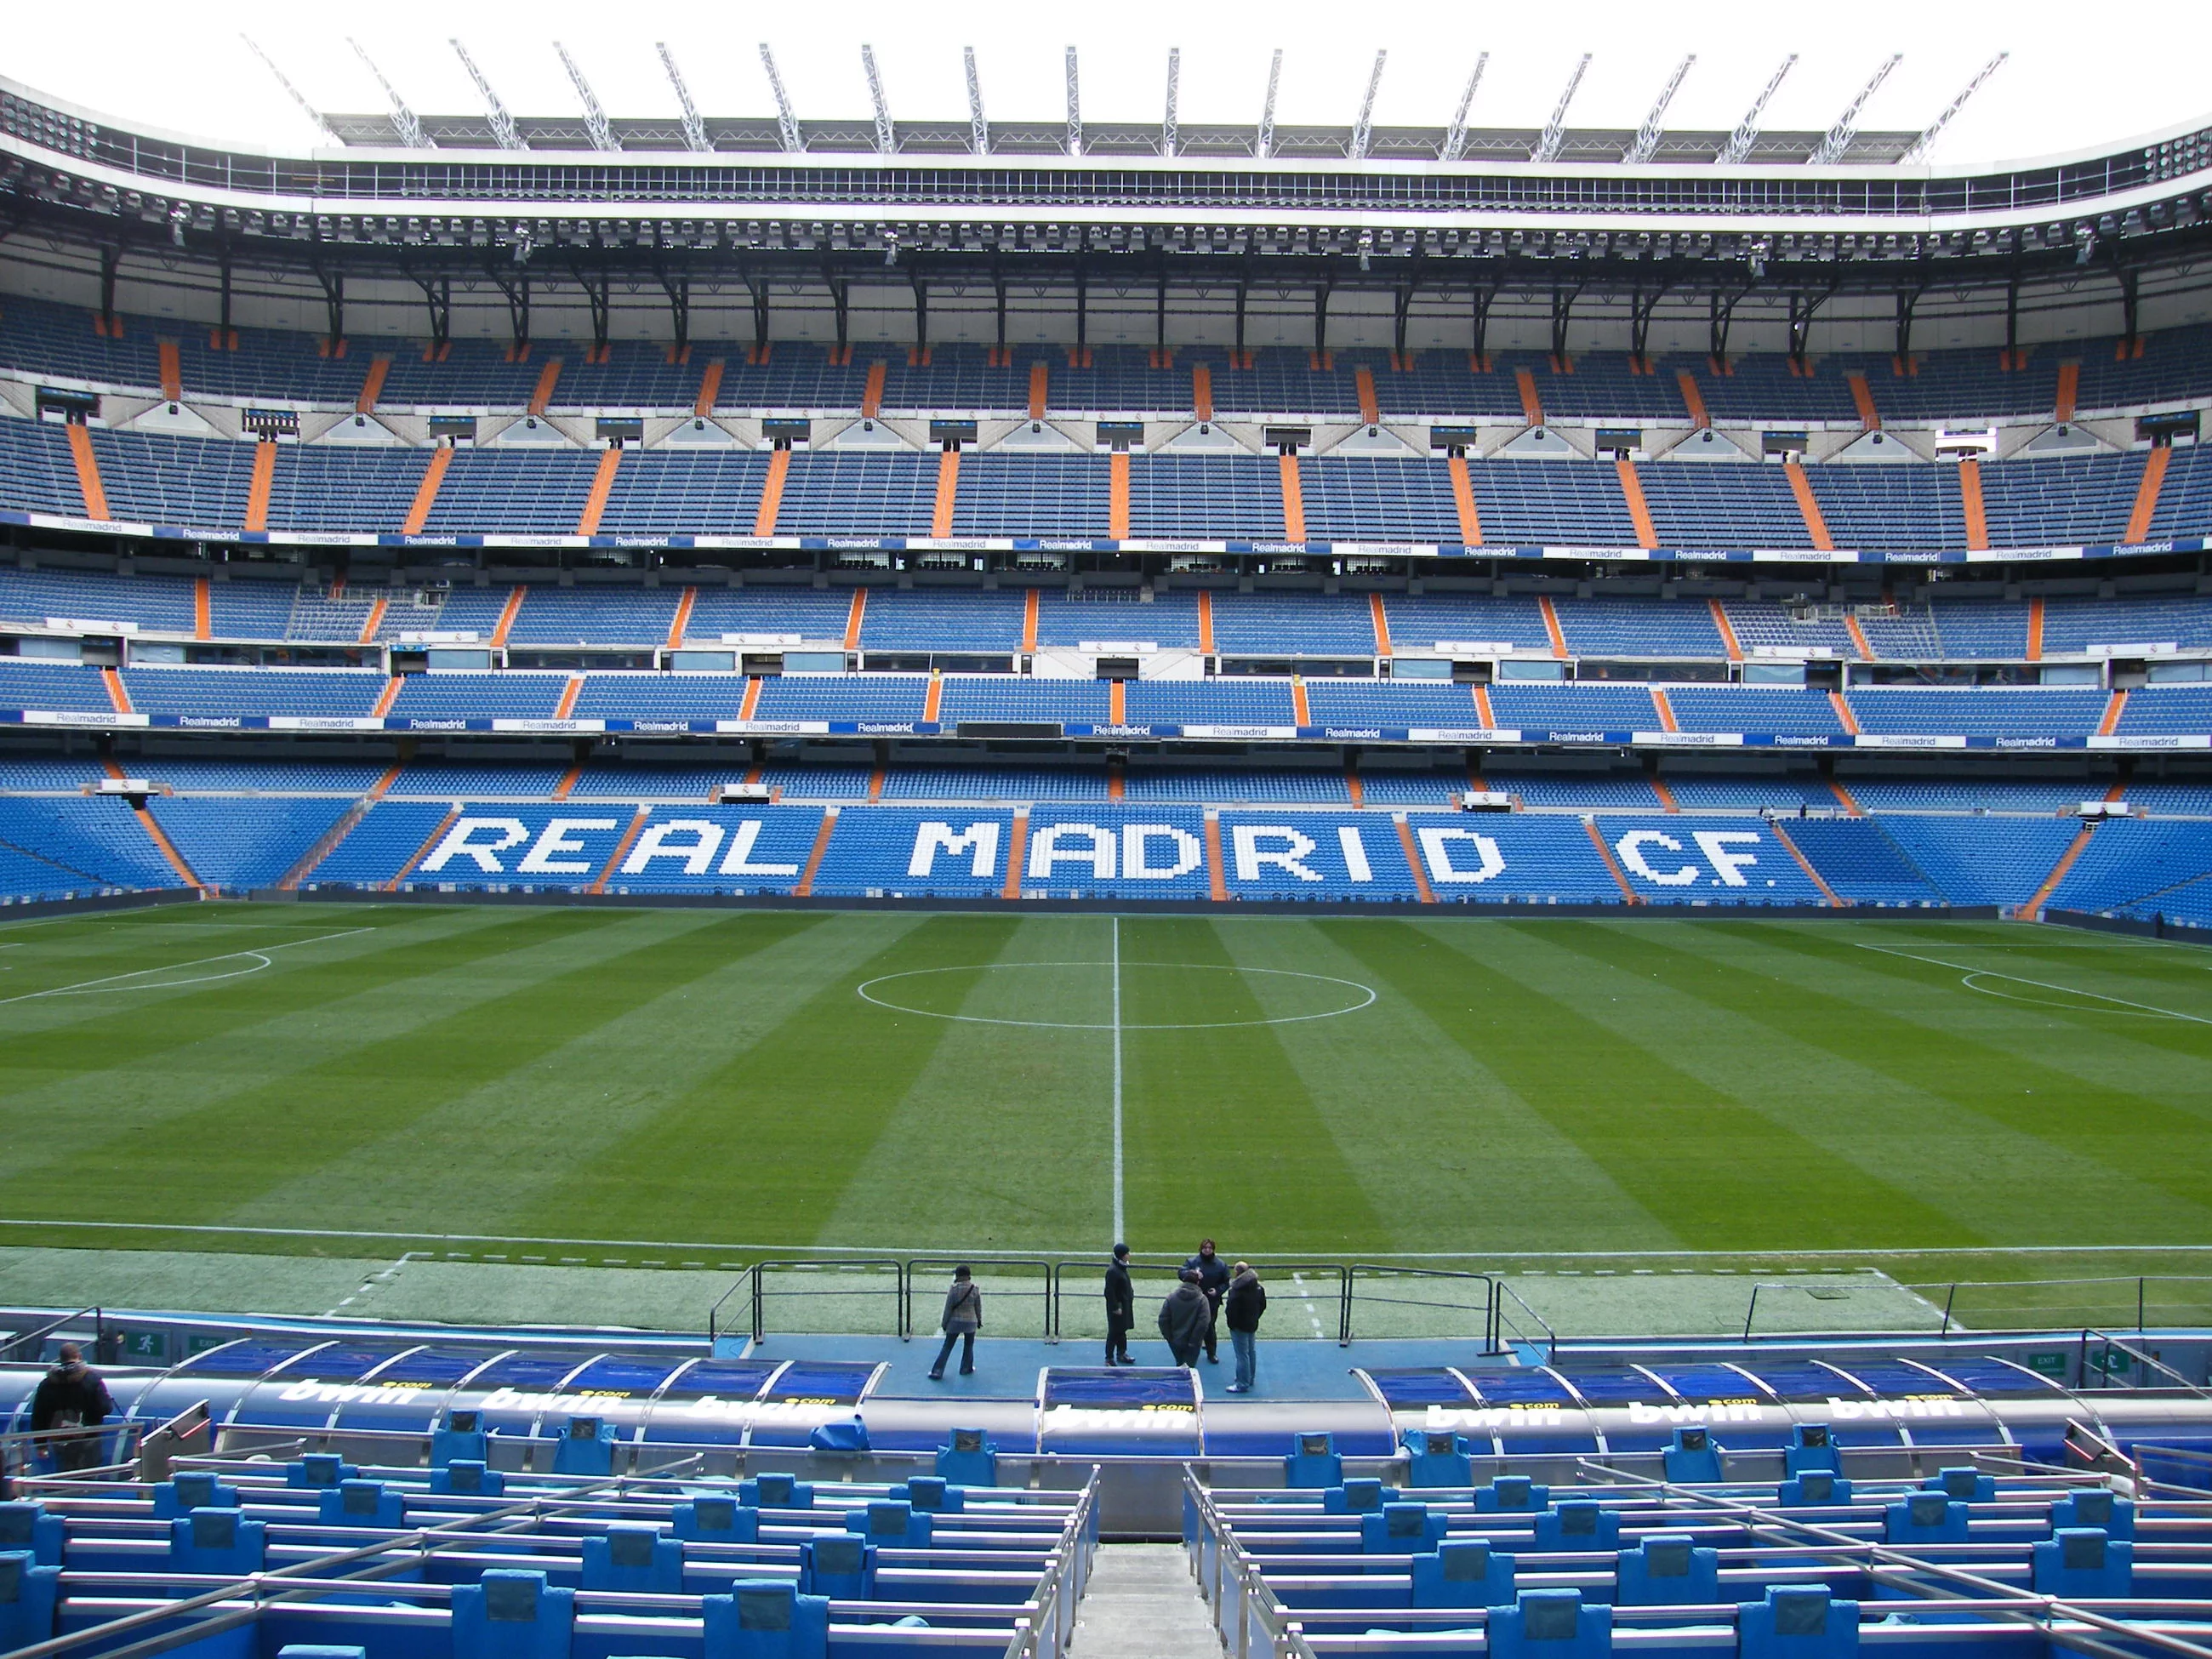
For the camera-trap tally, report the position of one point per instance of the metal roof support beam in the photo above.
(1456, 135)
(516, 288)
(1908, 301)
(677, 285)
(1266, 145)
(409, 125)
(1840, 137)
(694, 130)
(437, 300)
(1722, 313)
(595, 118)
(1641, 306)
(1647, 137)
(1363, 129)
(886, 140)
(503, 131)
(1555, 129)
(979, 130)
(1563, 312)
(1802, 308)
(1401, 302)
(1170, 133)
(1483, 299)
(1243, 292)
(1321, 315)
(1074, 109)
(841, 301)
(921, 312)
(787, 123)
(758, 286)
(333, 283)
(1738, 147)
(598, 291)
(321, 121)
(1919, 146)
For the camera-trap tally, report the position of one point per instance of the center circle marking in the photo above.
(1366, 996)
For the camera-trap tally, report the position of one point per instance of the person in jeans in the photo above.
(72, 1396)
(1212, 1278)
(963, 1317)
(1241, 1307)
(1121, 1308)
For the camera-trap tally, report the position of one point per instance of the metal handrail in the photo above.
(946, 1263)
(1489, 1299)
(761, 1269)
(713, 1314)
(2140, 1281)
(422, 1540)
(2149, 1361)
(1497, 1335)
(32, 1345)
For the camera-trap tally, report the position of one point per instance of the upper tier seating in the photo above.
(45, 340)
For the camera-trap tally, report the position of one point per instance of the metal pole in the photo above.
(2139, 1305)
(1951, 1291)
(757, 1310)
(1749, 1311)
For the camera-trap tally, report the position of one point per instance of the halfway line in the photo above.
(1118, 1234)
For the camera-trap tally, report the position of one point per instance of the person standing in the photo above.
(1121, 1308)
(1186, 1318)
(72, 1396)
(1213, 1279)
(1245, 1300)
(963, 1317)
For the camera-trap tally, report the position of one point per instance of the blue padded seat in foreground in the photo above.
(2083, 1561)
(1814, 1487)
(1512, 1494)
(1797, 1621)
(221, 1541)
(1435, 1458)
(468, 1474)
(513, 1615)
(28, 1594)
(934, 1495)
(715, 1521)
(193, 1490)
(459, 1437)
(2094, 1507)
(1315, 1464)
(969, 1459)
(632, 1555)
(28, 1528)
(764, 1619)
(1691, 1456)
(775, 1491)
(1964, 1482)
(1361, 1497)
(1462, 1572)
(1925, 1517)
(363, 1504)
(847, 1434)
(319, 1471)
(1811, 1447)
(586, 1447)
(1403, 1529)
(1668, 1570)
(839, 1565)
(1550, 1624)
(1578, 1524)
(891, 1523)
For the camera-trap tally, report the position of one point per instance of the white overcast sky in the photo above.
(2080, 75)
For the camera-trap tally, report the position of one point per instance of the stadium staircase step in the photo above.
(289, 883)
(88, 472)
(2146, 507)
(1141, 1604)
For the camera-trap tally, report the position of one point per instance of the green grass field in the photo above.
(635, 1085)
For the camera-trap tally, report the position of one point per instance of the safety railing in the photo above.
(1057, 1300)
(29, 1347)
(1985, 1307)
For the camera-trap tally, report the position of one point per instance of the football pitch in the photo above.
(689, 1088)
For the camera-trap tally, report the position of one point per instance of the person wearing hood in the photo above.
(1242, 1304)
(1186, 1318)
(72, 1396)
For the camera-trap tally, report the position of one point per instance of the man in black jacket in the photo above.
(72, 1396)
(1212, 1278)
(1121, 1308)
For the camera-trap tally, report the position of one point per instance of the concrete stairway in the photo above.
(1141, 1604)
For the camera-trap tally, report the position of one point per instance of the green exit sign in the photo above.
(2047, 1365)
(146, 1344)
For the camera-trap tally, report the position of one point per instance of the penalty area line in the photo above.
(1969, 975)
(113, 982)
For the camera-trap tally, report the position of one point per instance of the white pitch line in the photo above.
(1973, 974)
(109, 981)
(1119, 1236)
(1869, 1252)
